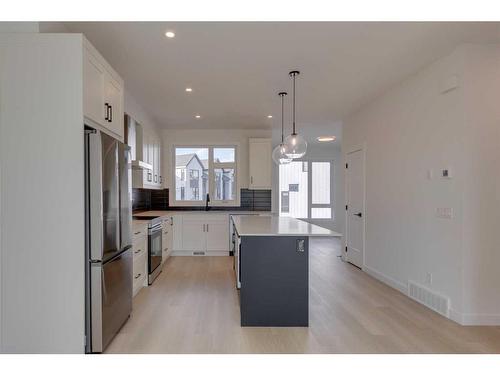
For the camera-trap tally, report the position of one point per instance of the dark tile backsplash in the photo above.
(141, 199)
(251, 200)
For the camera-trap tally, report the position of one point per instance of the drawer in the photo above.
(138, 232)
(139, 264)
(139, 247)
(138, 284)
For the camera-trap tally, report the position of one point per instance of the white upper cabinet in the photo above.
(150, 145)
(259, 162)
(114, 99)
(102, 94)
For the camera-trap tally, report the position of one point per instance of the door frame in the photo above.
(362, 148)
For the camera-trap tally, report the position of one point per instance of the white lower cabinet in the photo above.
(140, 262)
(166, 238)
(203, 234)
(217, 234)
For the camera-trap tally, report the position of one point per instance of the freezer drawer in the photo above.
(111, 297)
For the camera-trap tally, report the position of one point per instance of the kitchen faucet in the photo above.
(207, 202)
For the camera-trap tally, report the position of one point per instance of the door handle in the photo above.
(359, 214)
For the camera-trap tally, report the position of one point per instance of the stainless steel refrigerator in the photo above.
(108, 238)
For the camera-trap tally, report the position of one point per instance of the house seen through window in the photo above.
(306, 189)
(206, 170)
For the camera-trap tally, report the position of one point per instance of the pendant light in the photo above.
(279, 155)
(295, 144)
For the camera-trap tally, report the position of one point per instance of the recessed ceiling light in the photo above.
(189, 89)
(197, 116)
(269, 116)
(326, 138)
(170, 34)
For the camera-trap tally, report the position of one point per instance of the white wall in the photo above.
(41, 194)
(171, 137)
(138, 113)
(18, 27)
(419, 127)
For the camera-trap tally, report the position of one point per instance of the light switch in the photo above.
(446, 173)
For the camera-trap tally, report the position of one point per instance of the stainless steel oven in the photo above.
(154, 249)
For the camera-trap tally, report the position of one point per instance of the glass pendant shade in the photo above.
(295, 146)
(279, 155)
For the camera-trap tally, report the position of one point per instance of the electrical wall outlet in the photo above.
(444, 212)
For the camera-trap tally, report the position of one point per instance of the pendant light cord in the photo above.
(282, 115)
(294, 105)
(282, 95)
(293, 74)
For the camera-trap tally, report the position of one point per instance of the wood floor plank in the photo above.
(193, 307)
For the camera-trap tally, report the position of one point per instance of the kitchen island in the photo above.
(272, 269)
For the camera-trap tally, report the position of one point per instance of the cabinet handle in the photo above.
(207, 228)
(161, 181)
(110, 113)
(106, 106)
(137, 251)
(137, 233)
(156, 178)
(171, 221)
(139, 275)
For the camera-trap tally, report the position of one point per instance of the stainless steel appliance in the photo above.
(108, 244)
(154, 246)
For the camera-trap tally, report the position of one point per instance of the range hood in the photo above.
(134, 138)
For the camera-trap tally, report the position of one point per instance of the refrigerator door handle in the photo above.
(95, 196)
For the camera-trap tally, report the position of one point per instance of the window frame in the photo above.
(211, 175)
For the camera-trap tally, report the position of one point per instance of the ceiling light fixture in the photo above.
(197, 116)
(189, 89)
(170, 34)
(326, 138)
(295, 144)
(278, 154)
(269, 116)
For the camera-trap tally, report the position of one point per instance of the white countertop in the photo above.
(278, 226)
(210, 212)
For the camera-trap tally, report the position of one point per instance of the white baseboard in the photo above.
(456, 316)
(475, 319)
(403, 288)
(182, 253)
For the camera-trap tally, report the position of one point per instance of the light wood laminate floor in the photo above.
(193, 308)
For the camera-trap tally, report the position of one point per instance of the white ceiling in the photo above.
(237, 69)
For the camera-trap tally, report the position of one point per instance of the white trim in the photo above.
(398, 285)
(362, 148)
(475, 319)
(184, 253)
(211, 165)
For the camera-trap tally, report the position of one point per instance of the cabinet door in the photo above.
(93, 89)
(177, 232)
(156, 161)
(114, 98)
(259, 163)
(193, 235)
(217, 234)
(146, 147)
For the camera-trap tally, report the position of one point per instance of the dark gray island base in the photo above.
(274, 281)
